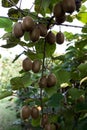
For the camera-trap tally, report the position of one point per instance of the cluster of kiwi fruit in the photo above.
(28, 65)
(28, 25)
(65, 6)
(36, 30)
(27, 111)
(34, 113)
(48, 81)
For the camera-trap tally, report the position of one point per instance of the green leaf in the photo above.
(6, 24)
(35, 122)
(16, 83)
(5, 94)
(75, 93)
(63, 76)
(14, 14)
(82, 125)
(55, 100)
(82, 16)
(83, 69)
(26, 36)
(39, 46)
(81, 43)
(7, 3)
(81, 107)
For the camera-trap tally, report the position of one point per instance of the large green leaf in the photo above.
(82, 16)
(83, 69)
(55, 100)
(14, 14)
(9, 3)
(6, 24)
(5, 94)
(21, 82)
(75, 93)
(63, 76)
(49, 49)
(81, 107)
(82, 125)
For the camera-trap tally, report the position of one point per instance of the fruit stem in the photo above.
(43, 65)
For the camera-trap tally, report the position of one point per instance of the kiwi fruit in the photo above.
(68, 6)
(61, 19)
(48, 127)
(59, 38)
(17, 30)
(44, 120)
(43, 82)
(27, 64)
(43, 30)
(57, 10)
(25, 112)
(34, 112)
(35, 34)
(36, 65)
(50, 38)
(51, 80)
(28, 23)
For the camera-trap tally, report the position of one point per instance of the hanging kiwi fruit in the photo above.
(57, 10)
(28, 23)
(27, 64)
(51, 38)
(59, 38)
(43, 29)
(44, 120)
(43, 82)
(35, 34)
(25, 112)
(61, 19)
(17, 30)
(51, 80)
(34, 112)
(68, 6)
(36, 65)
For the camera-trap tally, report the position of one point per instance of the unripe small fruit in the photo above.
(27, 64)
(28, 23)
(59, 37)
(25, 112)
(50, 38)
(17, 30)
(51, 80)
(34, 112)
(43, 82)
(36, 66)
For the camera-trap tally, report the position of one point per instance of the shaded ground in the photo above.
(8, 115)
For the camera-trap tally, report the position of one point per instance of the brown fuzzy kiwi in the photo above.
(27, 64)
(34, 112)
(51, 80)
(57, 10)
(48, 127)
(17, 30)
(25, 112)
(68, 6)
(28, 23)
(60, 38)
(35, 34)
(43, 30)
(36, 65)
(44, 120)
(60, 19)
(43, 82)
(50, 38)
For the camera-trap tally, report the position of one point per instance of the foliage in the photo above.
(68, 98)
